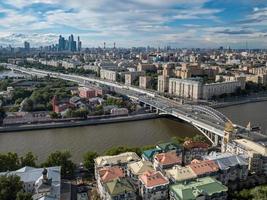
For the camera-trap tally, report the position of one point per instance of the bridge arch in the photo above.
(211, 112)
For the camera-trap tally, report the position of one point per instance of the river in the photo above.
(101, 137)
(98, 138)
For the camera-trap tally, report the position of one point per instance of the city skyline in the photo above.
(179, 23)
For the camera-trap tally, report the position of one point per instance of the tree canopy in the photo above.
(11, 187)
(61, 158)
(88, 159)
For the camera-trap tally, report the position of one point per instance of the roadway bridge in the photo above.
(208, 121)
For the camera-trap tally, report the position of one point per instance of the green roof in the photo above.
(168, 146)
(203, 186)
(150, 153)
(119, 186)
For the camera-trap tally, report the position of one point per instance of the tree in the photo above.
(199, 138)
(28, 160)
(62, 159)
(88, 160)
(122, 149)
(9, 162)
(9, 187)
(27, 105)
(2, 115)
(23, 196)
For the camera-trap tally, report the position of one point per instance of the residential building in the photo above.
(86, 93)
(216, 89)
(201, 189)
(163, 84)
(144, 82)
(136, 169)
(132, 77)
(254, 153)
(178, 174)
(185, 88)
(194, 150)
(204, 168)
(119, 111)
(153, 185)
(105, 175)
(119, 189)
(232, 167)
(194, 89)
(146, 67)
(121, 160)
(166, 160)
(170, 146)
(150, 153)
(108, 74)
(42, 183)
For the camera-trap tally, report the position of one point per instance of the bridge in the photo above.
(207, 120)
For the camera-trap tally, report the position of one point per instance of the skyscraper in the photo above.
(27, 46)
(79, 44)
(61, 43)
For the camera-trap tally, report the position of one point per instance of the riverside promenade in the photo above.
(76, 123)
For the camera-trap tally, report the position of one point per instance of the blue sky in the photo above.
(179, 23)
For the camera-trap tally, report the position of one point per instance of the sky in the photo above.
(179, 23)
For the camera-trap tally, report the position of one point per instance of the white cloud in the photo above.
(126, 21)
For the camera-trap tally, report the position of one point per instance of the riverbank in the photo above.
(66, 124)
(239, 102)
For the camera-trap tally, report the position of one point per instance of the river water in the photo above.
(101, 137)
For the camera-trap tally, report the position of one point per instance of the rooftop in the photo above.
(226, 160)
(110, 173)
(203, 167)
(119, 186)
(153, 179)
(149, 154)
(179, 173)
(168, 158)
(203, 186)
(140, 167)
(252, 146)
(168, 146)
(117, 159)
(29, 175)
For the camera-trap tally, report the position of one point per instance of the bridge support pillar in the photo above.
(216, 140)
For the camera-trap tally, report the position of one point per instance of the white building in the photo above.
(185, 88)
(43, 183)
(108, 74)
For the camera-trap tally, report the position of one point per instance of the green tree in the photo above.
(27, 105)
(9, 162)
(28, 160)
(259, 192)
(2, 115)
(23, 196)
(122, 149)
(199, 138)
(88, 160)
(61, 158)
(9, 187)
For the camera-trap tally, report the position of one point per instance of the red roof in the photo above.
(110, 173)
(153, 178)
(203, 167)
(189, 144)
(168, 158)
